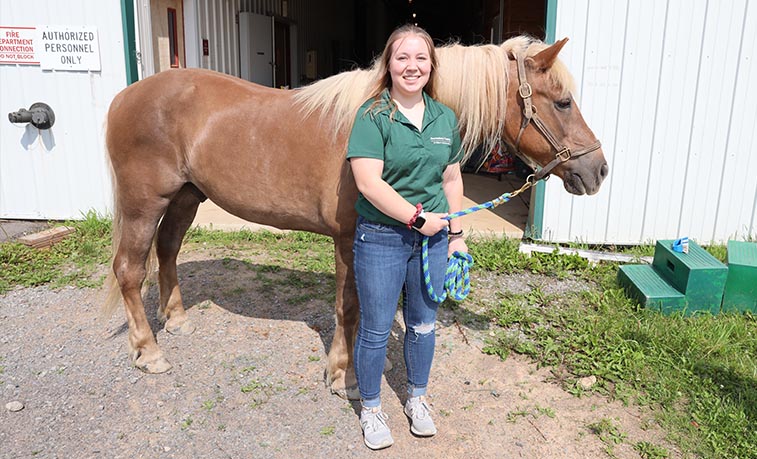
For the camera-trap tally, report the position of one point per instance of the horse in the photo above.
(182, 136)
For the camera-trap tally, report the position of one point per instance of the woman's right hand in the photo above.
(434, 223)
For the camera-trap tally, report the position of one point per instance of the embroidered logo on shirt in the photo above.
(441, 140)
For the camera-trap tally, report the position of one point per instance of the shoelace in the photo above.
(419, 410)
(375, 421)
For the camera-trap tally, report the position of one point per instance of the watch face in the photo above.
(419, 222)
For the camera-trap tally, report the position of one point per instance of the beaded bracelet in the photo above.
(455, 233)
(418, 210)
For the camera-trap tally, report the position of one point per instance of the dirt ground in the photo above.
(249, 383)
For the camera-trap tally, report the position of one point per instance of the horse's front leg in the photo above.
(340, 370)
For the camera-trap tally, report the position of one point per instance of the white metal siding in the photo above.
(59, 173)
(664, 85)
(217, 20)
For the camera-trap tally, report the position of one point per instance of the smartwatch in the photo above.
(420, 220)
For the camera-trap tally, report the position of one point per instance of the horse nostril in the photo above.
(604, 170)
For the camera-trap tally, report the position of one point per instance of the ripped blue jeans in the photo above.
(387, 262)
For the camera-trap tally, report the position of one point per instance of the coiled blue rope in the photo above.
(457, 277)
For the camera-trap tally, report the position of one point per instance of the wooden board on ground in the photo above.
(47, 237)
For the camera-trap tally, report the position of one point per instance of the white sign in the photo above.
(68, 48)
(17, 45)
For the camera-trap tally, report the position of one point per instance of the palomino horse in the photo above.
(277, 157)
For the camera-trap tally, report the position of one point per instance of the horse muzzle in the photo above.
(584, 175)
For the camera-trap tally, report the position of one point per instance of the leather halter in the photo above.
(563, 153)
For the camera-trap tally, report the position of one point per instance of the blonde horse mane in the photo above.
(471, 80)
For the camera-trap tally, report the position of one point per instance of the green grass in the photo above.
(609, 433)
(186, 422)
(650, 451)
(293, 250)
(73, 261)
(699, 374)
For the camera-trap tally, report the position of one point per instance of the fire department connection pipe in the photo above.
(39, 114)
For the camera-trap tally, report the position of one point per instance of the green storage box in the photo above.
(646, 285)
(741, 285)
(699, 275)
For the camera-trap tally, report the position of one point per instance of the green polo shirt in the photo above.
(414, 161)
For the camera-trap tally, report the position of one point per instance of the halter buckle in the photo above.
(564, 154)
(525, 90)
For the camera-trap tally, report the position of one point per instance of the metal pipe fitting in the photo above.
(39, 114)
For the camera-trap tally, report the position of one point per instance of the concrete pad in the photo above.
(508, 219)
(13, 229)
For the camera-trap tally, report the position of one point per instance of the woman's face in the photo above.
(409, 65)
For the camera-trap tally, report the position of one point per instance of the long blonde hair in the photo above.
(382, 62)
(471, 80)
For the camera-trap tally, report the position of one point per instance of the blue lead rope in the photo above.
(457, 277)
(456, 280)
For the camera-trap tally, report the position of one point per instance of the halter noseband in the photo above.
(563, 153)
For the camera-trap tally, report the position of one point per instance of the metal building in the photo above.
(61, 172)
(664, 85)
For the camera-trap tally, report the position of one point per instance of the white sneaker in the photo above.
(376, 433)
(419, 413)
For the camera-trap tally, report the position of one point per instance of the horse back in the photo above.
(246, 147)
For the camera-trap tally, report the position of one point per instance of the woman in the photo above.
(404, 151)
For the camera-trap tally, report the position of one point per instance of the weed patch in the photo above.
(73, 261)
(698, 373)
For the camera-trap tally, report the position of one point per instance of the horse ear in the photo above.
(544, 59)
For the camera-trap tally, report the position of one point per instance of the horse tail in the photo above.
(112, 288)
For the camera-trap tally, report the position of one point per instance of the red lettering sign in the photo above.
(17, 45)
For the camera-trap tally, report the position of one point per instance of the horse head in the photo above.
(552, 133)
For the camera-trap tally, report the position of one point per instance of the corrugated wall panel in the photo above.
(62, 172)
(712, 119)
(599, 57)
(630, 148)
(664, 86)
(678, 73)
(218, 24)
(739, 191)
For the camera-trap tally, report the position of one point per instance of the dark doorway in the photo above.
(282, 59)
(468, 22)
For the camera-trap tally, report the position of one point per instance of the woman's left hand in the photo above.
(456, 244)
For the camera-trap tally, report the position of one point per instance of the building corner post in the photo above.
(130, 44)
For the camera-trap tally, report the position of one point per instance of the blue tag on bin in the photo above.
(681, 245)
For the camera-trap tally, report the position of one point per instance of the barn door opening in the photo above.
(499, 169)
(282, 71)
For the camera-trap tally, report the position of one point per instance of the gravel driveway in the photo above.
(249, 384)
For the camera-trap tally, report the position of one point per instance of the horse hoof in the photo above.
(157, 366)
(183, 329)
(347, 393)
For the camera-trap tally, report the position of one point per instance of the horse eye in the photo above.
(563, 104)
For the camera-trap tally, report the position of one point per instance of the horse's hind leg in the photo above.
(176, 221)
(138, 223)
